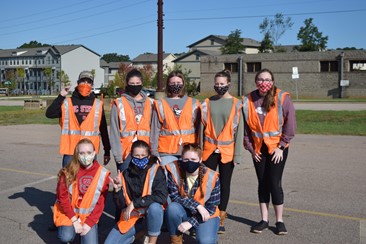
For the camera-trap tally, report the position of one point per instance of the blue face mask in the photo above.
(190, 166)
(140, 162)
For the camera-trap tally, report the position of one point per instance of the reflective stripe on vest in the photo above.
(122, 116)
(98, 191)
(235, 124)
(66, 130)
(259, 134)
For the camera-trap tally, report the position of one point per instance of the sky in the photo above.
(130, 27)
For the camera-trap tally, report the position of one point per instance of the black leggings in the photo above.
(270, 177)
(226, 171)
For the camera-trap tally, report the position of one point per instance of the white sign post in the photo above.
(295, 76)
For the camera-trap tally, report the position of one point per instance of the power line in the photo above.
(263, 16)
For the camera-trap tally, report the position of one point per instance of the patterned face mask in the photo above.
(140, 162)
(264, 86)
(86, 160)
(175, 88)
(221, 90)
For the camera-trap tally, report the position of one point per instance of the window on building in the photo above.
(232, 67)
(254, 67)
(212, 42)
(328, 66)
(197, 57)
(358, 65)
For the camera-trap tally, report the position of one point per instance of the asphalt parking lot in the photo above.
(324, 186)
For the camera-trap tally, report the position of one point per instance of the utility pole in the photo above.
(160, 46)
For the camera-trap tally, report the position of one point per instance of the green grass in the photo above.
(308, 121)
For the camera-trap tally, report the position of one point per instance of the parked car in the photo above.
(149, 92)
(97, 91)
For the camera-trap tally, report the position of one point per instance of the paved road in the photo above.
(324, 186)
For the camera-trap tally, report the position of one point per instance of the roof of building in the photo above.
(222, 39)
(149, 57)
(199, 52)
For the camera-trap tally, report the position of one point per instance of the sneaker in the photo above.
(221, 230)
(280, 228)
(259, 227)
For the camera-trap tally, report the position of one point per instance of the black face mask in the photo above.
(175, 89)
(190, 166)
(134, 90)
(221, 90)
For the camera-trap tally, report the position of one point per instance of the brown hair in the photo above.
(225, 73)
(269, 101)
(179, 74)
(192, 147)
(71, 169)
(142, 144)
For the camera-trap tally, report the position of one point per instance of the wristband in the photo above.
(281, 147)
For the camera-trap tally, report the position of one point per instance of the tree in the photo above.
(266, 44)
(234, 43)
(275, 27)
(114, 57)
(32, 44)
(48, 73)
(310, 37)
(65, 80)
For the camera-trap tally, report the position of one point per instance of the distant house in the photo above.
(210, 45)
(110, 69)
(72, 59)
(152, 59)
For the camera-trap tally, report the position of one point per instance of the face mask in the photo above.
(264, 86)
(84, 89)
(134, 90)
(86, 160)
(175, 89)
(140, 162)
(190, 166)
(221, 90)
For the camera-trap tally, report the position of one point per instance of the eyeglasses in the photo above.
(264, 80)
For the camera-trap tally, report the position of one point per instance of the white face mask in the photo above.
(86, 160)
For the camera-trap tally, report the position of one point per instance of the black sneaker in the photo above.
(221, 230)
(259, 227)
(280, 228)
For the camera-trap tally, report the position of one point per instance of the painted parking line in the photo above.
(51, 177)
(305, 211)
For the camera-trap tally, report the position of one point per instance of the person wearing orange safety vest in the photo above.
(130, 119)
(140, 192)
(270, 124)
(223, 136)
(175, 121)
(194, 191)
(81, 116)
(82, 189)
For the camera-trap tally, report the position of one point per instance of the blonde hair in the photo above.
(71, 169)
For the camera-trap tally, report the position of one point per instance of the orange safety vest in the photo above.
(173, 133)
(271, 131)
(225, 142)
(129, 130)
(72, 132)
(125, 225)
(88, 202)
(208, 184)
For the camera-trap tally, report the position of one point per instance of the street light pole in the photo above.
(160, 46)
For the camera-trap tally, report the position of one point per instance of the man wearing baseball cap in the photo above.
(81, 116)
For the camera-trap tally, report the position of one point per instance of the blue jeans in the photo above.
(206, 232)
(153, 222)
(66, 159)
(67, 234)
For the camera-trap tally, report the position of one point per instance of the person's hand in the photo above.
(128, 211)
(77, 226)
(106, 159)
(85, 229)
(117, 181)
(65, 91)
(257, 157)
(204, 213)
(185, 226)
(277, 155)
